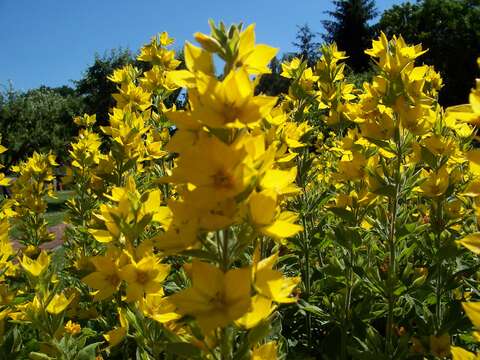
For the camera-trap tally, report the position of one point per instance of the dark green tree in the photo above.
(349, 27)
(38, 120)
(274, 84)
(450, 29)
(96, 89)
(306, 44)
(94, 86)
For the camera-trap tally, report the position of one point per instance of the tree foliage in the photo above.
(96, 88)
(349, 28)
(450, 29)
(38, 120)
(274, 84)
(306, 44)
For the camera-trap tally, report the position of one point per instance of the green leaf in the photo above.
(39, 356)
(343, 213)
(88, 352)
(385, 190)
(259, 332)
(184, 350)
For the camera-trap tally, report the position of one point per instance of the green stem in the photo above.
(225, 256)
(348, 296)
(225, 345)
(438, 287)
(392, 266)
(306, 247)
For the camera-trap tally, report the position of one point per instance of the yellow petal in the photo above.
(115, 336)
(281, 229)
(261, 309)
(197, 59)
(472, 309)
(461, 354)
(58, 303)
(267, 351)
(102, 236)
(471, 242)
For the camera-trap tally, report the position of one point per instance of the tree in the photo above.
(38, 120)
(306, 44)
(96, 89)
(94, 86)
(274, 84)
(350, 29)
(450, 30)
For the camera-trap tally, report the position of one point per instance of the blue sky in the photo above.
(51, 42)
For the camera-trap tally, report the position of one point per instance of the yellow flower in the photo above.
(59, 303)
(417, 118)
(227, 103)
(472, 309)
(130, 214)
(461, 354)
(156, 53)
(253, 58)
(436, 182)
(197, 59)
(471, 242)
(143, 277)
(267, 218)
(266, 351)
(132, 97)
(157, 79)
(124, 75)
(289, 68)
(6, 250)
(271, 283)
(352, 167)
(85, 120)
(440, 145)
(106, 279)
(72, 328)
(216, 298)
(395, 54)
(181, 229)
(3, 315)
(116, 336)
(38, 266)
(218, 172)
(260, 310)
(158, 308)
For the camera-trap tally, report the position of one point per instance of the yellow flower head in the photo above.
(436, 182)
(271, 283)
(143, 277)
(38, 266)
(72, 328)
(267, 351)
(216, 298)
(106, 279)
(59, 303)
(85, 120)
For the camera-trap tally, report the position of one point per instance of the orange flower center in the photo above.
(142, 277)
(223, 180)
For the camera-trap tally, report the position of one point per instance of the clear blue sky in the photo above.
(51, 42)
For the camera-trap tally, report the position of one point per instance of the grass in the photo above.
(55, 217)
(57, 203)
(56, 209)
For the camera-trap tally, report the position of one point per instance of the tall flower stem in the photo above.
(391, 244)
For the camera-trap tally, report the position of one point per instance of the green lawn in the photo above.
(56, 207)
